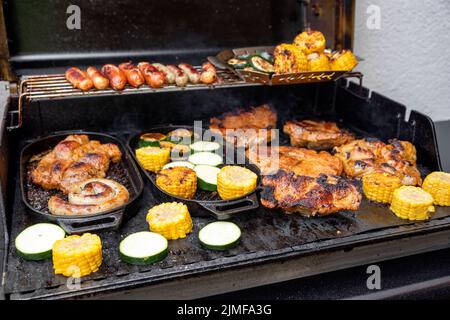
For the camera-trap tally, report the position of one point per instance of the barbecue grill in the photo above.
(274, 247)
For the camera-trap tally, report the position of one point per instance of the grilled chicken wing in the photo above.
(319, 135)
(322, 196)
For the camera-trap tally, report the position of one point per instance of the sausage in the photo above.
(134, 76)
(99, 80)
(181, 78)
(79, 79)
(152, 76)
(168, 74)
(194, 75)
(209, 74)
(117, 78)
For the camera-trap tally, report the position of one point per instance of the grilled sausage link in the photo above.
(181, 78)
(168, 74)
(152, 76)
(209, 74)
(134, 76)
(79, 79)
(194, 75)
(117, 78)
(99, 80)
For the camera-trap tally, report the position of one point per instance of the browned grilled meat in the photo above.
(318, 135)
(322, 196)
(246, 128)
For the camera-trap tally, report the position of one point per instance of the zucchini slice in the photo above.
(179, 164)
(261, 64)
(143, 248)
(36, 242)
(220, 235)
(181, 135)
(204, 146)
(207, 158)
(237, 63)
(151, 139)
(267, 56)
(207, 177)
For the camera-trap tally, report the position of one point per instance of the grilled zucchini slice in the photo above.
(260, 64)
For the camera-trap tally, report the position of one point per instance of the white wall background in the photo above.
(408, 58)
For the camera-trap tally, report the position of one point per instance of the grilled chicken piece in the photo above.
(246, 128)
(322, 196)
(319, 135)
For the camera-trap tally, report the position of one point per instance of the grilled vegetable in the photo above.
(143, 248)
(266, 56)
(289, 59)
(207, 158)
(412, 203)
(178, 181)
(179, 164)
(343, 61)
(207, 177)
(180, 152)
(171, 220)
(438, 185)
(318, 62)
(310, 41)
(380, 187)
(36, 242)
(153, 158)
(77, 256)
(181, 135)
(151, 140)
(220, 235)
(237, 63)
(204, 146)
(260, 64)
(235, 181)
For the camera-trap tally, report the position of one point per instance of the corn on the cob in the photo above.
(77, 256)
(412, 203)
(235, 181)
(318, 62)
(153, 158)
(178, 181)
(310, 41)
(171, 220)
(380, 187)
(343, 61)
(438, 185)
(289, 59)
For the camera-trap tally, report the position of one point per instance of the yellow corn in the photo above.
(289, 59)
(412, 203)
(438, 185)
(153, 158)
(380, 187)
(310, 41)
(318, 62)
(77, 256)
(171, 220)
(178, 181)
(235, 181)
(343, 61)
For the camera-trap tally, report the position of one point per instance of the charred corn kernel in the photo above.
(438, 185)
(318, 62)
(343, 61)
(235, 181)
(153, 158)
(77, 256)
(310, 41)
(289, 59)
(171, 220)
(178, 181)
(380, 187)
(412, 203)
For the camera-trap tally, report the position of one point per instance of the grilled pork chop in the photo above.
(322, 196)
(318, 135)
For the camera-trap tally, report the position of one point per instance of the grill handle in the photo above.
(227, 210)
(82, 225)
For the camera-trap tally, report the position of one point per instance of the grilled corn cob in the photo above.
(412, 203)
(235, 181)
(178, 181)
(77, 256)
(343, 61)
(310, 41)
(318, 62)
(380, 187)
(171, 220)
(153, 158)
(289, 59)
(438, 185)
